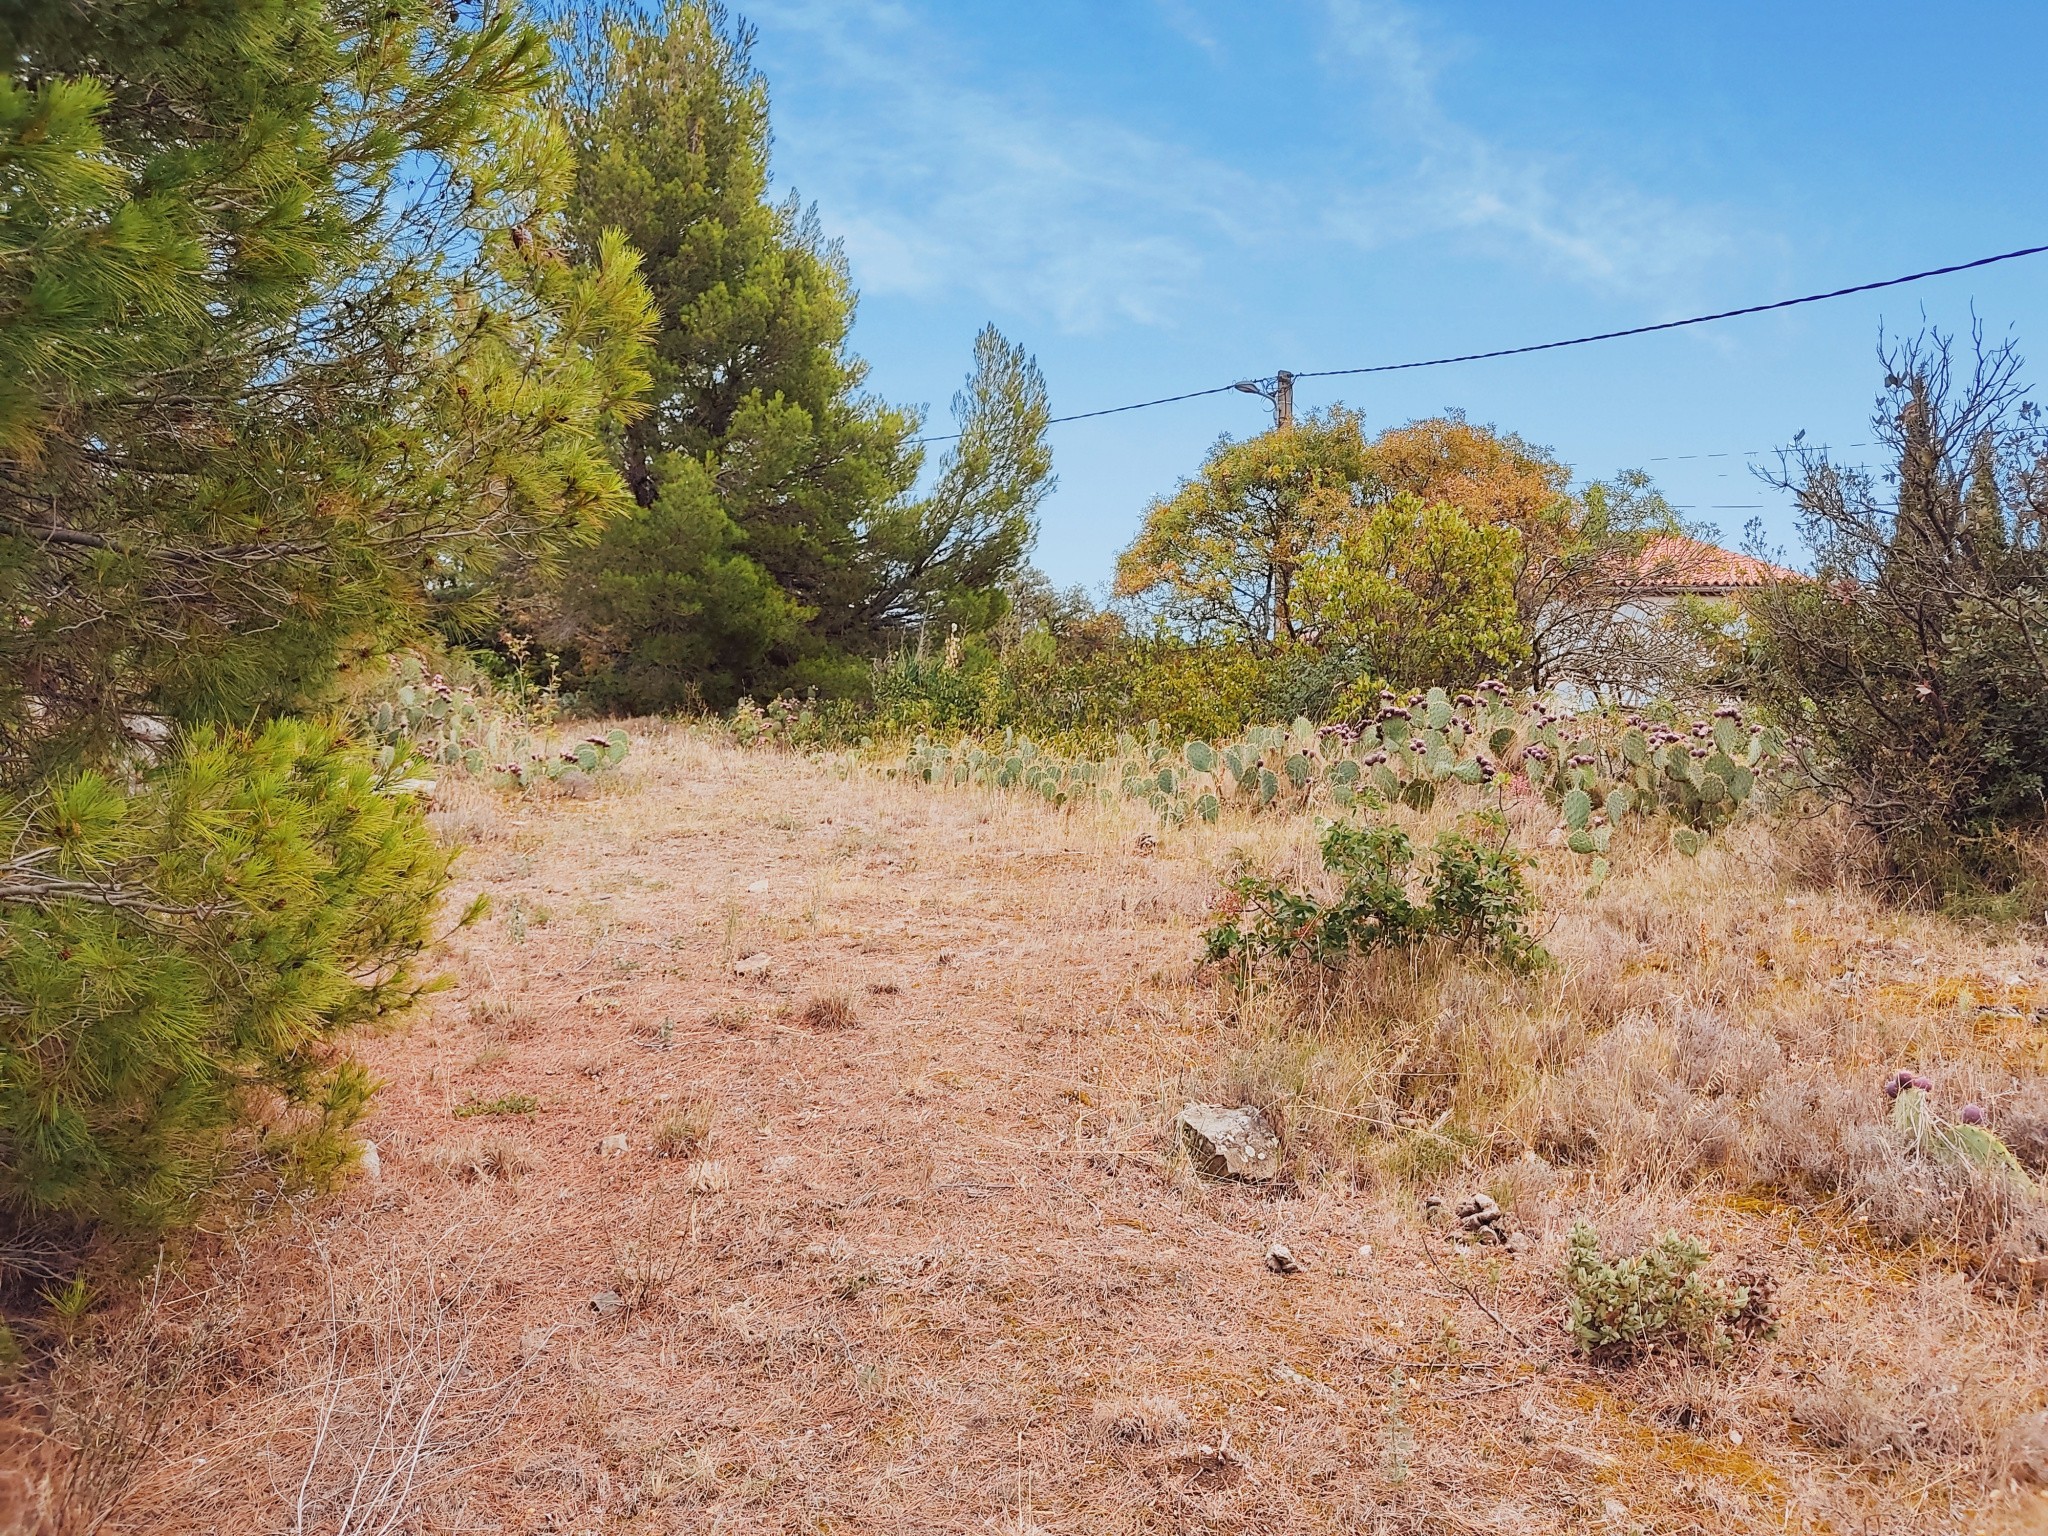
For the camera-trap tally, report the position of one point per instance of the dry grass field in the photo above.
(793, 1154)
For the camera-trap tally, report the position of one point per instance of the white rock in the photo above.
(752, 965)
(1229, 1143)
(371, 1164)
(758, 887)
(1281, 1260)
(613, 1145)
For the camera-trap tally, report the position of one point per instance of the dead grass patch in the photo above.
(685, 1131)
(480, 1159)
(956, 1278)
(829, 1010)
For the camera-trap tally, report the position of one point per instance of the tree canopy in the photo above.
(778, 541)
(290, 335)
(292, 338)
(1219, 557)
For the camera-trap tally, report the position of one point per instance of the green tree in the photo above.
(1915, 659)
(288, 339)
(1418, 595)
(796, 548)
(1218, 558)
(288, 336)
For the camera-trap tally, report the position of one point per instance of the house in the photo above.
(1671, 567)
(1627, 636)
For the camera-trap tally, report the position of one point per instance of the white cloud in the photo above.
(937, 186)
(940, 187)
(1508, 200)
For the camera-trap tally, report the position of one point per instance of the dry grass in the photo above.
(687, 1131)
(475, 1159)
(829, 1010)
(948, 1271)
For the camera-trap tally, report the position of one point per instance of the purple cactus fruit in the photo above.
(1971, 1114)
(1924, 1084)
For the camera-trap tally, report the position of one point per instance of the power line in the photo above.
(1574, 341)
(1673, 325)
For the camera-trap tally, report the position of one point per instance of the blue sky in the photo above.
(1162, 195)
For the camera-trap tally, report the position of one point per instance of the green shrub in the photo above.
(181, 953)
(1476, 897)
(1656, 1300)
(505, 1104)
(1912, 660)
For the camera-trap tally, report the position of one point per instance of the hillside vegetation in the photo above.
(586, 944)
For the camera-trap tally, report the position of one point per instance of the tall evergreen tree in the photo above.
(288, 336)
(778, 542)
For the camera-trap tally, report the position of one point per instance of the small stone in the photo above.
(758, 887)
(1280, 1259)
(1518, 1242)
(371, 1164)
(1365, 1250)
(605, 1303)
(1229, 1143)
(756, 964)
(613, 1145)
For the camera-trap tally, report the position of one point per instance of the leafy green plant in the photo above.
(1659, 1299)
(1476, 896)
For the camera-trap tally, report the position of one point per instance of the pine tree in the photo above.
(287, 335)
(288, 338)
(778, 543)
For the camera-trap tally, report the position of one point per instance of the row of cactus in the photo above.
(1601, 771)
(455, 728)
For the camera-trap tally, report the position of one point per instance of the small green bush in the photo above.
(1656, 1300)
(182, 950)
(506, 1104)
(1477, 897)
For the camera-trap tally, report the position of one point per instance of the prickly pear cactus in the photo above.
(1601, 772)
(457, 729)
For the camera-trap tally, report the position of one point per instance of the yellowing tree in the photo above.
(1218, 558)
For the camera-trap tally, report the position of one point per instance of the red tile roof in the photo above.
(1670, 565)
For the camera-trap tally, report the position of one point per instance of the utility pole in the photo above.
(1279, 390)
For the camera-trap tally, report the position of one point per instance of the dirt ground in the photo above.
(896, 1238)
